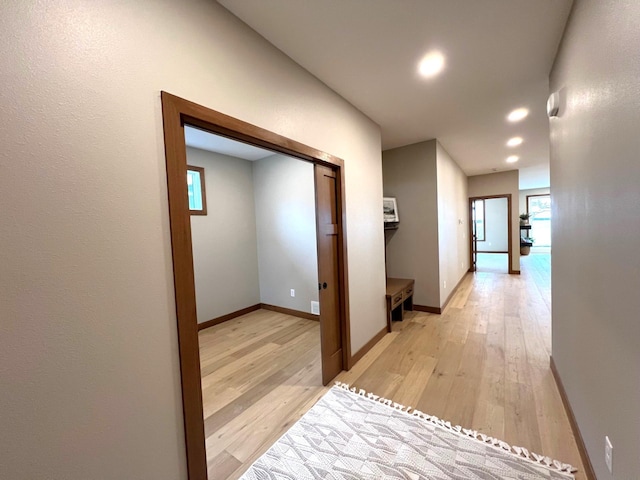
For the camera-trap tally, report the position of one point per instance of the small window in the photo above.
(196, 190)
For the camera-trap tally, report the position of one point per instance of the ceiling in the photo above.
(498, 57)
(196, 138)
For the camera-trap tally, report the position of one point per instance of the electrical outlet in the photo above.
(445, 284)
(608, 454)
(315, 307)
(293, 292)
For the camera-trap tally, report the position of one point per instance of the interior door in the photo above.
(328, 271)
(474, 237)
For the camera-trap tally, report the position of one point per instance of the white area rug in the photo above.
(354, 435)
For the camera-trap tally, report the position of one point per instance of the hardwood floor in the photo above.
(493, 262)
(483, 364)
(260, 373)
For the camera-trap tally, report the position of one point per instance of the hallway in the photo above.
(482, 364)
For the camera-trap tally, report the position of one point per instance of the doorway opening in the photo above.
(333, 297)
(254, 243)
(490, 234)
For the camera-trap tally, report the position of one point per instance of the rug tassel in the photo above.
(520, 452)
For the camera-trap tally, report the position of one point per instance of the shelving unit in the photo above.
(525, 242)
(391, 225)
(399, 294)
(524, 239)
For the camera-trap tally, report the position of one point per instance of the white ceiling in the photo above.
(203, 140)
(498, 57)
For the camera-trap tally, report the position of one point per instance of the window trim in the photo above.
(537, 195)
(203, 190)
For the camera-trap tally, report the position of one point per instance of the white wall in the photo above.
(595, 175)
(412, 251)
(88, 346)
(496, 232)
(285, 207)
(224, 242)
(453, 223)
(498, 184)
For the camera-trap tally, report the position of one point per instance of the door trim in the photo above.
(332, 359)
(509, 229)
(176, 112)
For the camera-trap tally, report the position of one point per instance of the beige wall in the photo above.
(89, 349)
(531, 191)
(496, 226)
(225, 259)
(595, 175)
(431, 244)
(498, 184)
(285, 206)
(453, 223)
(412, 251)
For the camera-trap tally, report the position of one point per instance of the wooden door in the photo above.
(328, 271)
(474, 236)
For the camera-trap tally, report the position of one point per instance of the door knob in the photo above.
(324, 285)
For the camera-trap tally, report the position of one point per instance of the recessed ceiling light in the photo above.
(431, 64)
(514, 142)
(518, 114)
(513, 159)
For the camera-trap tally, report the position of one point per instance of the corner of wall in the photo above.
(410, 175)
(453, 221)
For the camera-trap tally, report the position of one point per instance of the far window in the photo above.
(480, 225)
(196, 190)
(539, 207)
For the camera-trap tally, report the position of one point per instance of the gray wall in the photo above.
(258, 240)
(286, 229)
(496, 226)
(431, 244)
(453, 223)
(225, 259)
(498, 184)
(595, 175)
(409, 174)
(88, 346)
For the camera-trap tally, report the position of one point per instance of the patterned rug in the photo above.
(355, 435)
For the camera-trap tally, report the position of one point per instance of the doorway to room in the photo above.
(490, 233)
(255, 259)
(331, 251)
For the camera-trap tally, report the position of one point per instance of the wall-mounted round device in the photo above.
(553, 104)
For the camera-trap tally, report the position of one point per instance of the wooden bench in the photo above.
(399, 298)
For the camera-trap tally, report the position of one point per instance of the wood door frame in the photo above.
(176, 112)
(484, 224)
(509, 229)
